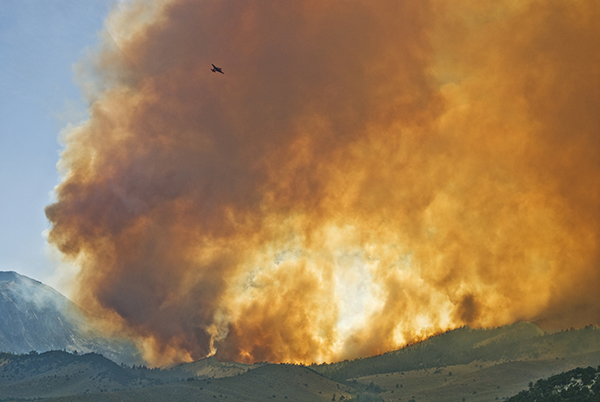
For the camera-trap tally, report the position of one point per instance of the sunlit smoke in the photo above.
(362, 176)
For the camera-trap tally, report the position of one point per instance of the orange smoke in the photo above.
(364, 174)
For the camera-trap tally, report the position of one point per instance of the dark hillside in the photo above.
(58, 373)
(578, 385)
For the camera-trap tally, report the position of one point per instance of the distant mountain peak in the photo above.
(34, 316)
(12, 276)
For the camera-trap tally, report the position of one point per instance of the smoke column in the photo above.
(364, 175)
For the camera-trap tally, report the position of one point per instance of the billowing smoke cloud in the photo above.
(364, 174)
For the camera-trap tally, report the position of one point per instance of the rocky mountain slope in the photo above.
(35, 317)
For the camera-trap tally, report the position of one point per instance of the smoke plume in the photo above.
(363, 175)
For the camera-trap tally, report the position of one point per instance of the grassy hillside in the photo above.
(476, 382)
(520, 341)
(210, 368)
(265, 383)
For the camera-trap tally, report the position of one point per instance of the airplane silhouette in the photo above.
(216, 69)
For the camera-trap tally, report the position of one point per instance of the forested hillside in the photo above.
(578, 385)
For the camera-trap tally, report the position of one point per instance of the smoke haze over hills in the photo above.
(364, 174)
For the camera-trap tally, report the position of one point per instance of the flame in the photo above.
(364, 175)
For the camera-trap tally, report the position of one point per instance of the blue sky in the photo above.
(40, 41)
